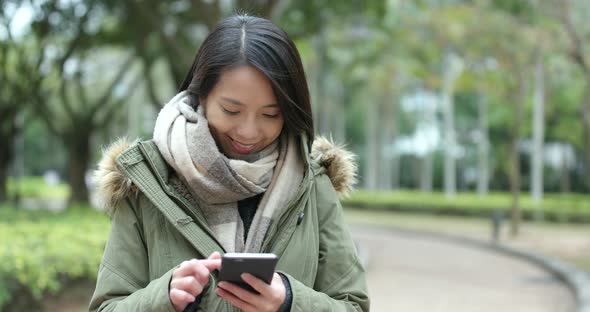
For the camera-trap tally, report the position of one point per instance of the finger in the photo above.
(181, 269)
(179, 297)
(214, 255)
(233, 300)
(243, 294)
(262, 287)
(185, 268)
(188, 284)
(212, 264)
(276, 278)
(201, 273)
(194, 268)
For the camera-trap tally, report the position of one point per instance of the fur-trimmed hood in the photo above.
(112, 186)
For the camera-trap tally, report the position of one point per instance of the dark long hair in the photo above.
(247, 40)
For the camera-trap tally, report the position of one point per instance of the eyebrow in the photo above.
(236, 102)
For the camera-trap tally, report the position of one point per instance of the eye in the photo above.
(271, 115)
(229, 112)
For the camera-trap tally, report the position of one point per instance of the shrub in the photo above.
(35, 187)
(41, 250)
(556, 207)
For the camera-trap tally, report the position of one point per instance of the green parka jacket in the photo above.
(154, 229)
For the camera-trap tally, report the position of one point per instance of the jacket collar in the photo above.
(113, 185)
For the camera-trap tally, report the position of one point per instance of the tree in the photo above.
(19, 68)
(68, 100)
(171, 32)
(578, 55)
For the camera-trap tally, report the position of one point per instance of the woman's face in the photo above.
(243, 113)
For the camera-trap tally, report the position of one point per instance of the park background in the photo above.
(460, 112)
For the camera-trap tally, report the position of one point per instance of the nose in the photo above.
(247, 131)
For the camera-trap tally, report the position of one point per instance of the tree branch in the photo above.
(109, 91)
(110, 111)
(43, 111)
(6, 22)
(65, 100)
(154, 20)
(80, 89)
(147, 66)
(577, 52)
(77, 39)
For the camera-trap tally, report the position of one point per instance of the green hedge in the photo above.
(40, 251)
(35, 187)
(556, 207)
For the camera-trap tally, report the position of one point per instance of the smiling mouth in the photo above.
(242, 148)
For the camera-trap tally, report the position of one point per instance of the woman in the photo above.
(229, 170)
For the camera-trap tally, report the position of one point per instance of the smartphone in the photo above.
(261, 265)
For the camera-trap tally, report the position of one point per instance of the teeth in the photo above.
(244, 146)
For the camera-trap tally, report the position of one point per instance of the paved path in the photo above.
(415, 273)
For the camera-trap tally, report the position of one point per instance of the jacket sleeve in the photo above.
(123, 276)
(340, 283)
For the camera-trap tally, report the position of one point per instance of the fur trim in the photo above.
(112, 185)
(340, 164)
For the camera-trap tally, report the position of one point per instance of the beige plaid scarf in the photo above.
(217, 183)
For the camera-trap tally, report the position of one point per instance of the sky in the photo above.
(21, 19)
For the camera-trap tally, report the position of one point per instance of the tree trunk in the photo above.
(450, 186)
(340, 115)
(326, 117)
(7, 137)
(585, 116)
(388, 138)
(3, 176)
(78, 159)
(452, 69)
(395, 157)
(5, 159)
(427, 172)
(538, 135)
(322, 103)
(515, 183)
(395, 171)
(371, 176)
(416, 170)
(483, 148)
(515, 176)
(564, 173)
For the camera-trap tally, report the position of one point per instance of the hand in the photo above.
(270, 299)
(189, 279)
